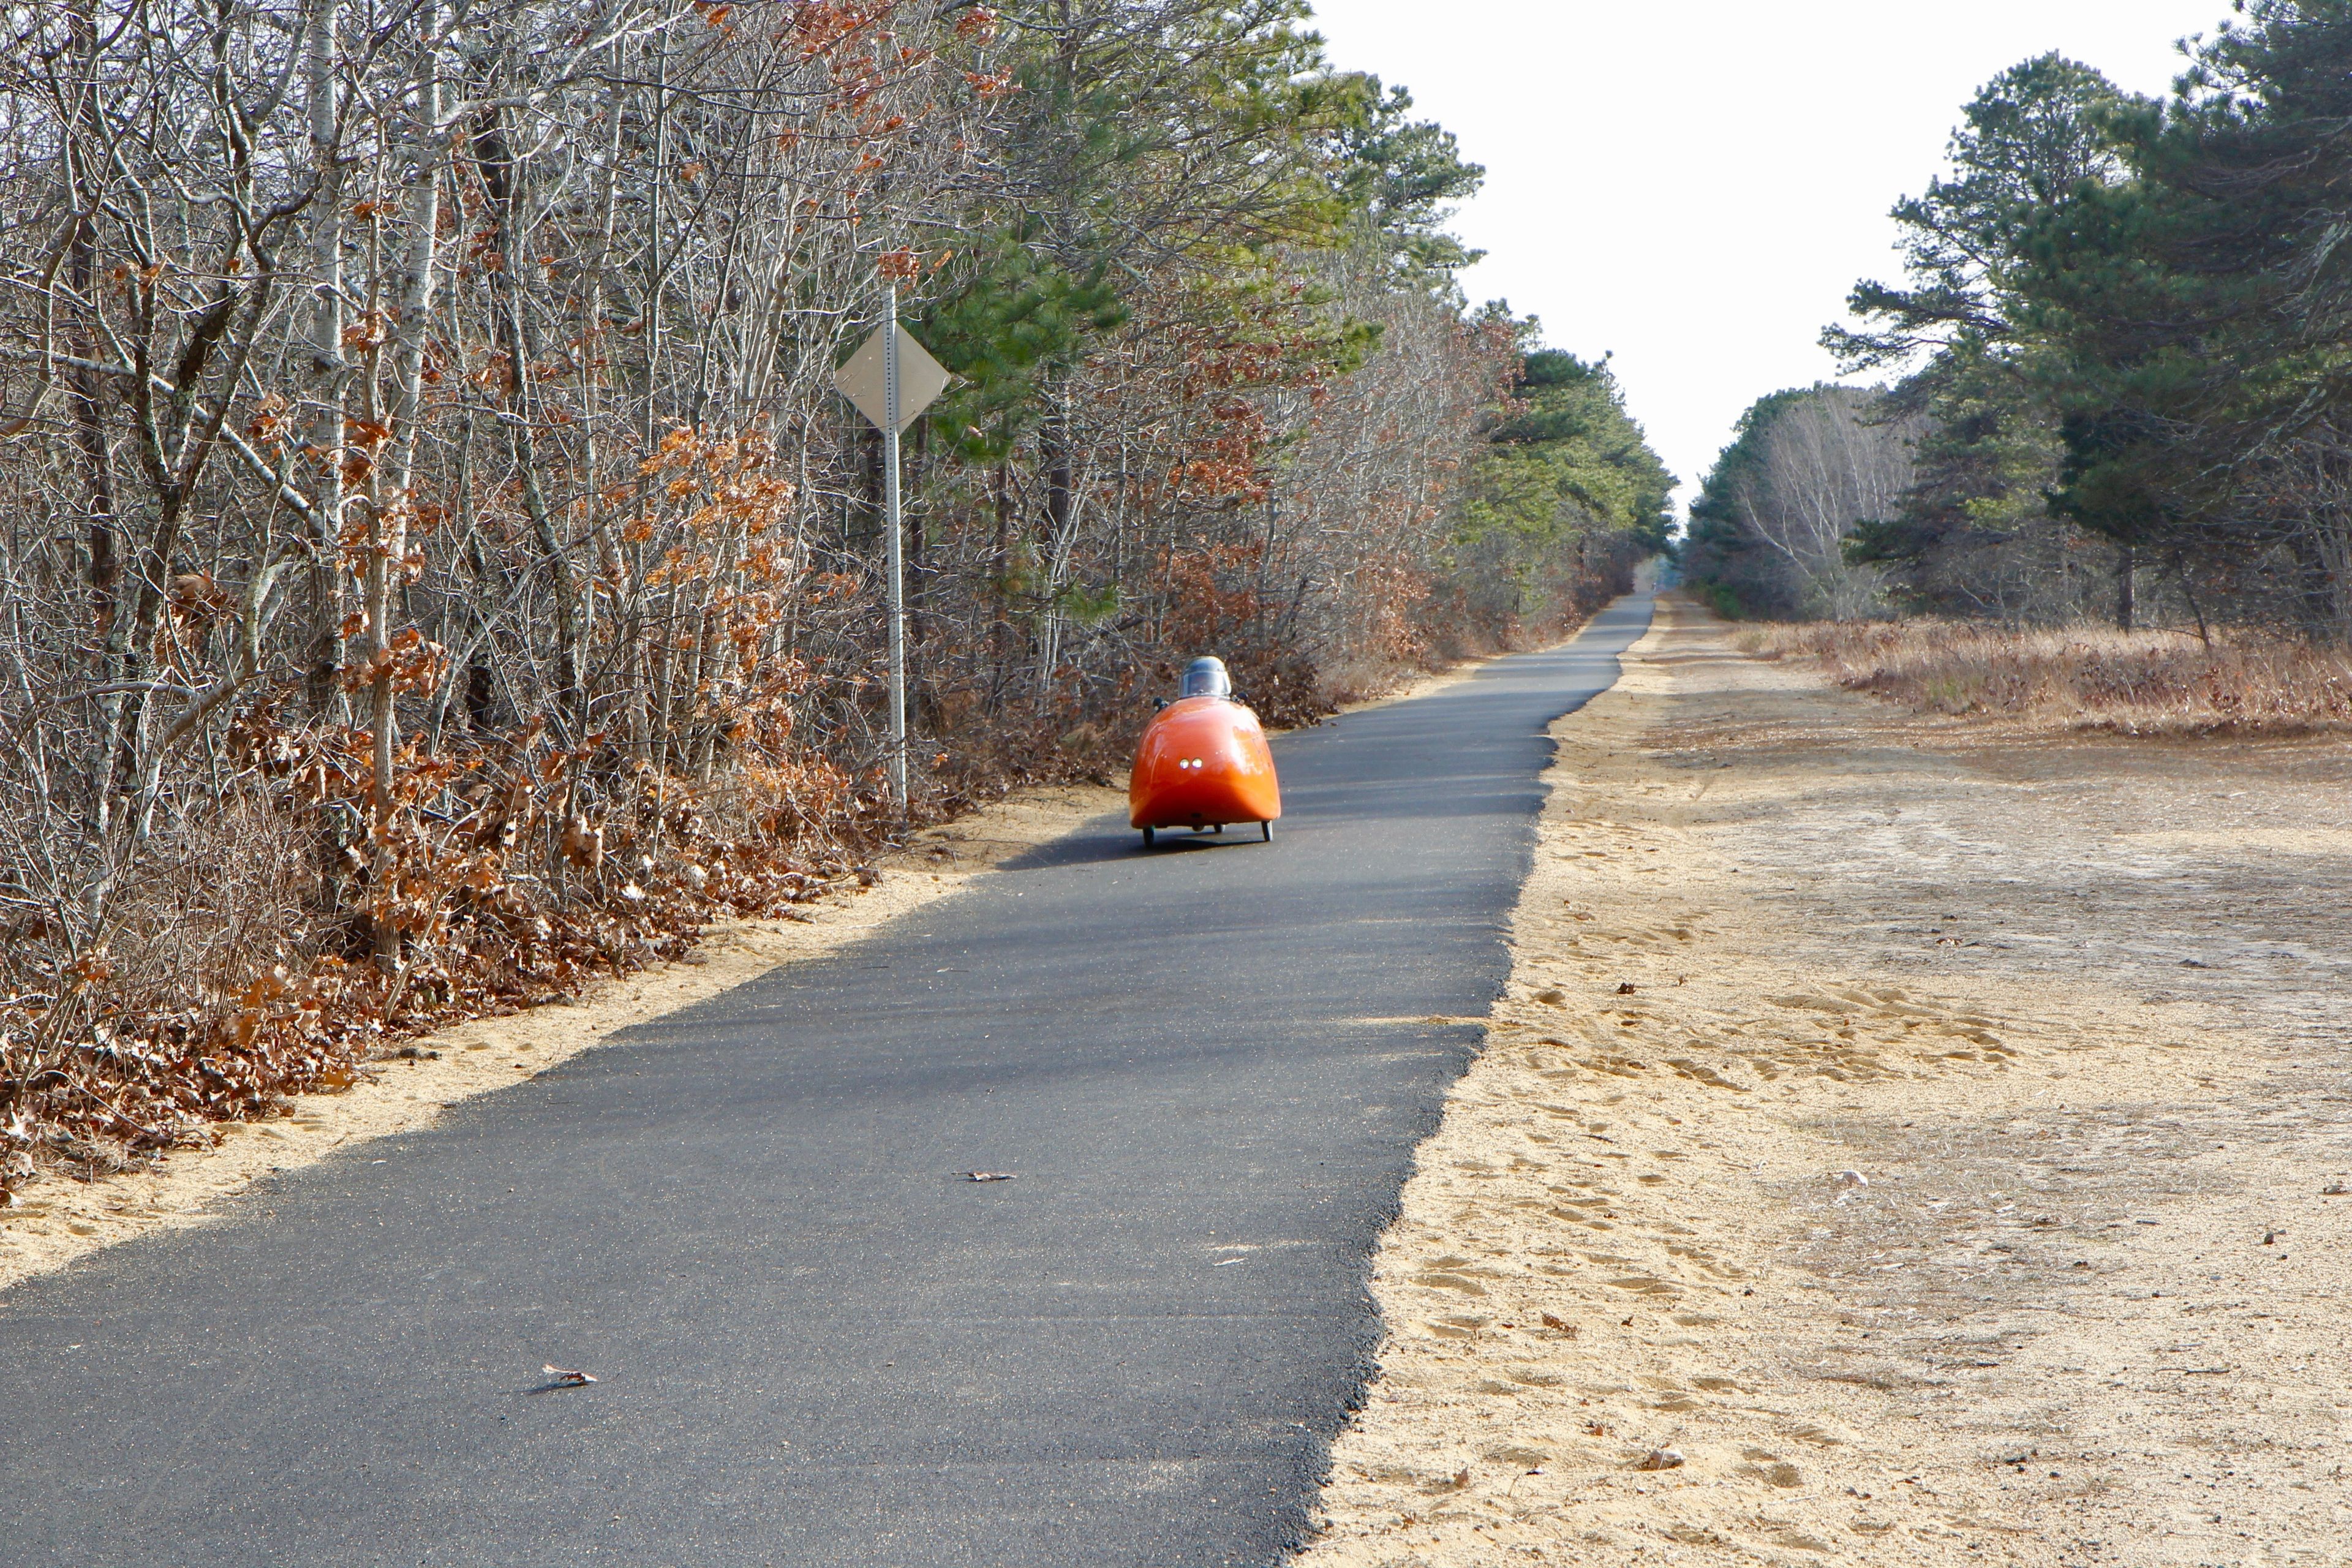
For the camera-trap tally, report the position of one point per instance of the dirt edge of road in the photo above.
(57, 1222)
(1899, 1140)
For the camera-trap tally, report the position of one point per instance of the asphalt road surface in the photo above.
(1208, 1066)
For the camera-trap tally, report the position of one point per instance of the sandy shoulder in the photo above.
(1899, 1143)
(57, 1221)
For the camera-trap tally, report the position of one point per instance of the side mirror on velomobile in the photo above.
(1203, 762)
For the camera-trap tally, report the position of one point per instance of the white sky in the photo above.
(1697, 185)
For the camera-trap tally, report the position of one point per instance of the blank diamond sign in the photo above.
(864, 380)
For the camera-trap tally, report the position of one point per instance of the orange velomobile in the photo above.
(1203, 762)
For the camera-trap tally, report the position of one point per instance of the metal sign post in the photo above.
(892, 380)
(897, 566)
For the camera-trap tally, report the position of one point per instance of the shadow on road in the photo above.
(1098, 845)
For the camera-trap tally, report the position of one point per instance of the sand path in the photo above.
(1924, 1132)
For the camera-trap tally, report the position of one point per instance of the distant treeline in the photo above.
(2124, 360)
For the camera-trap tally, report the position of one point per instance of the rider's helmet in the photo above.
(1206, 678)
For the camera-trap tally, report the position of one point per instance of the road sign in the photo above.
(865, 380)
(891, 380)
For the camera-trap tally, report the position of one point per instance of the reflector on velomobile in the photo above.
(1203, 762)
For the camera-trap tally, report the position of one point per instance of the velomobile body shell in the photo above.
(1203, 762)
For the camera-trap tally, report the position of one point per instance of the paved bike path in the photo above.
(1209, 1066)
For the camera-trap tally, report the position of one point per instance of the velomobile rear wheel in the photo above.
(1147, 838)
(1266, 831)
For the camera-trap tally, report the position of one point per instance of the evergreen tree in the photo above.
(1566, 493)
(1975, 535)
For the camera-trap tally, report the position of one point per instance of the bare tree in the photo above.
(1829, 459)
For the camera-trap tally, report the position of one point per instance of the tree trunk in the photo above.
(388, 491)
(87, 390)
(329, 372)
(503, 182)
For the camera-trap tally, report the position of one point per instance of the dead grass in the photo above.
(2080, 677)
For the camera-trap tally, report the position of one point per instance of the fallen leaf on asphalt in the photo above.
(566, 1375)
(1851, 1179)
(1558, 1325)
(988, 1176)
(1661, 1459)
(2335, 1190)
(1625, 988)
